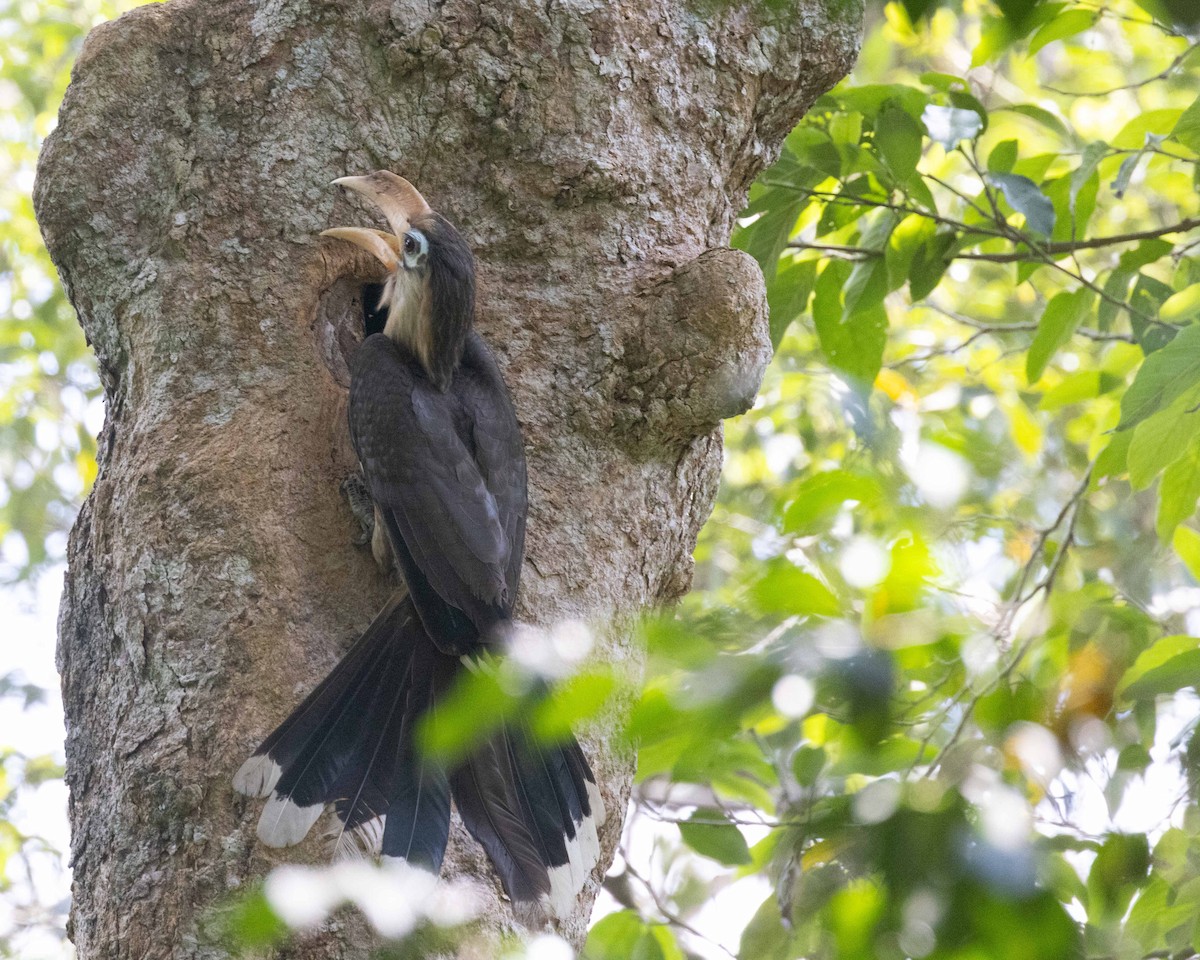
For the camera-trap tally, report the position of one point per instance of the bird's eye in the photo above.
(410, 245)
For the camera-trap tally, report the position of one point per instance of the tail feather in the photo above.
(361, 793)
(533, 807)
(484, 791)
(419, 812)
(289, 738)
(565, 771)
(392, 799)
(542, 811)
(315, 773)
(301, 764)
(418, 822)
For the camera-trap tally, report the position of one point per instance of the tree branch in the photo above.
(1064, 247)
(1161, 75)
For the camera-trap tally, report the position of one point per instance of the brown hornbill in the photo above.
(441, 452)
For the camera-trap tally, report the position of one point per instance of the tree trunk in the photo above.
(593, 153)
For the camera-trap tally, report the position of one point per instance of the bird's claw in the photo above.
(354, 489)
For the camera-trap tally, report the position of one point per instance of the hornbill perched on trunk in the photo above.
(440, 447)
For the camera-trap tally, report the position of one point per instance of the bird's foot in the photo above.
(354, 489)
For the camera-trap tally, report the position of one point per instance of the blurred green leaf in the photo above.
(1062, 315)
(1186, 542)
(1119, 868)
(615, 937)
(853, 340)
(1169, 665)
(787, 590)
(706, 833)
(1179, 490)
(898, 138)
(807, 765)
(1162, 378)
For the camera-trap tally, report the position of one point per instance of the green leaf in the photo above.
(1119, 868)
(1002, 157)
(846, 209)
(949, 126)
(1112, 459)
(647, 948)
(788, 293)
(1093, 153)
(1077, 387)
(1039, 115)
(1187, 547)
(476, 704)
(994, 38)
(1159, 123)
(1125, 174)
(944, 82)
(787, 590)
(1026, 197)
(965, 100)
(766, 238)
(615, 937)
(813, 151)
(1161, 439)
(853, 344)
(578, 699)
(898, 137)
(1066, 24)
(1164, 376)
(1146, 252)
(807, 765)
(1134, 757)
(1117, 288)
(1187, 128)
(1179, 491)
(252, 923)
(765, 937)
(912, 235)
(818, 499)
(1062, 315)
(1170, 664)
(929, 265)
(664, 936)
(870, 98)
(868, 282)
(1148, 296)
(722, 842)
(1181, 306)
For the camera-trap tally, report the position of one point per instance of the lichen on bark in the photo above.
(595, 155)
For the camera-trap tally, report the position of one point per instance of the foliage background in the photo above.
(934, 692)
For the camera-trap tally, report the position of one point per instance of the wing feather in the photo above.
(418, 454)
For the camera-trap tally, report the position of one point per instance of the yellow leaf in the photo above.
(1186, 542)
(894, 386)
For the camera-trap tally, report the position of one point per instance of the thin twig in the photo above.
(1063, 247)
(1161, 75)
(1068, 514)
(669, 915)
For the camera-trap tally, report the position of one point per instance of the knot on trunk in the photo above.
(694, 352)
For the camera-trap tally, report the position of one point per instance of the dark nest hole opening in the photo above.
(348, 312)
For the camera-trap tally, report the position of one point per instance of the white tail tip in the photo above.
(283, 823)
(257, 776)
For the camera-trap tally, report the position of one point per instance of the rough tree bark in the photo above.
(595, 155)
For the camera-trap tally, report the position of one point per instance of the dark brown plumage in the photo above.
(441, 451)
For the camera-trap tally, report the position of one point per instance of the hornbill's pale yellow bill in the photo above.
(407, 293)
(384, 246)
(398, 200)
